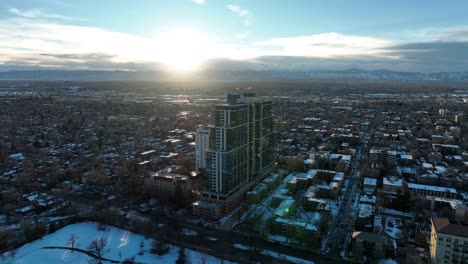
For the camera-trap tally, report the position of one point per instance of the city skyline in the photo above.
(192, 35)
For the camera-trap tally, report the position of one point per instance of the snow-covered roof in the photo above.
(284, 207)
(454, 203)
(25, 209)
(392, 181)
(429, 175)
(271, 178)
(406, 156)
(370, 199)
(311, 227)
(427, 166)
(440, 169)
(299, 223)
(259, 188)
(339, 176)
(17, 156)
(365, 210)
(370, 181)
(431, 188)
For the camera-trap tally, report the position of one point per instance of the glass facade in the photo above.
(241, 145)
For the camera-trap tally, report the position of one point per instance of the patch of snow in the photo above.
(277, 238)
(122, 244)
(464, 195)
(239, 246)
(388, 261)
(286, 257)
(189, 232)
(276, 255)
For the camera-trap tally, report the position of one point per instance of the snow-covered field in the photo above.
(122, 245)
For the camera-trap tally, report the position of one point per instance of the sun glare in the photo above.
(183, 50)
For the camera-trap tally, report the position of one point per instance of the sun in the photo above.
(183, 49)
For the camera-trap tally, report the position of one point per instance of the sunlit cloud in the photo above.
(34, 42)
(29, 39)
(328, 45)
(36, 13)
(199, 2)
(242, 35)
(37, 42)
(244, 13)
(29, 36)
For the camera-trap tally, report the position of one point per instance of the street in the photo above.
(336, 241)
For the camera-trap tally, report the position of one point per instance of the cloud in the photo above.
(36, 13)
(30, 41)
(199, 2)
(242, 35)
(433, 34)
(96, 56)
(36, 42)
(94, 61)
(328, 45)
(244, 13)
(453, 34)
(433, 56)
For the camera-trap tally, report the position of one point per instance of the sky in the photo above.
(189, 35)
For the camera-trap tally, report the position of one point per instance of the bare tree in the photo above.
(188, 258)
(203, 257)
(6, 236)
(72, 240)
(159, 247)
(295, 164)
(25, 179)
(28, 229)
(142, 247)
(129, 260)
(13, 252)
(98, 247)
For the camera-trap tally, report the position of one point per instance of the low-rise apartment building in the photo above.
(449, 241)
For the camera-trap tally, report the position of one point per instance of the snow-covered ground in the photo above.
(334, 206)
(189, 232)
(388, 261)
(122, 245)
(276, 255)
(464, 195)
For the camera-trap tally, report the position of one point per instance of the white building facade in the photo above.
(202, 137)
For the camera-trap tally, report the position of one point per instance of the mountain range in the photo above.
(231, 75)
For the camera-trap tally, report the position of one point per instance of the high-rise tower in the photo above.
(241, 148)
